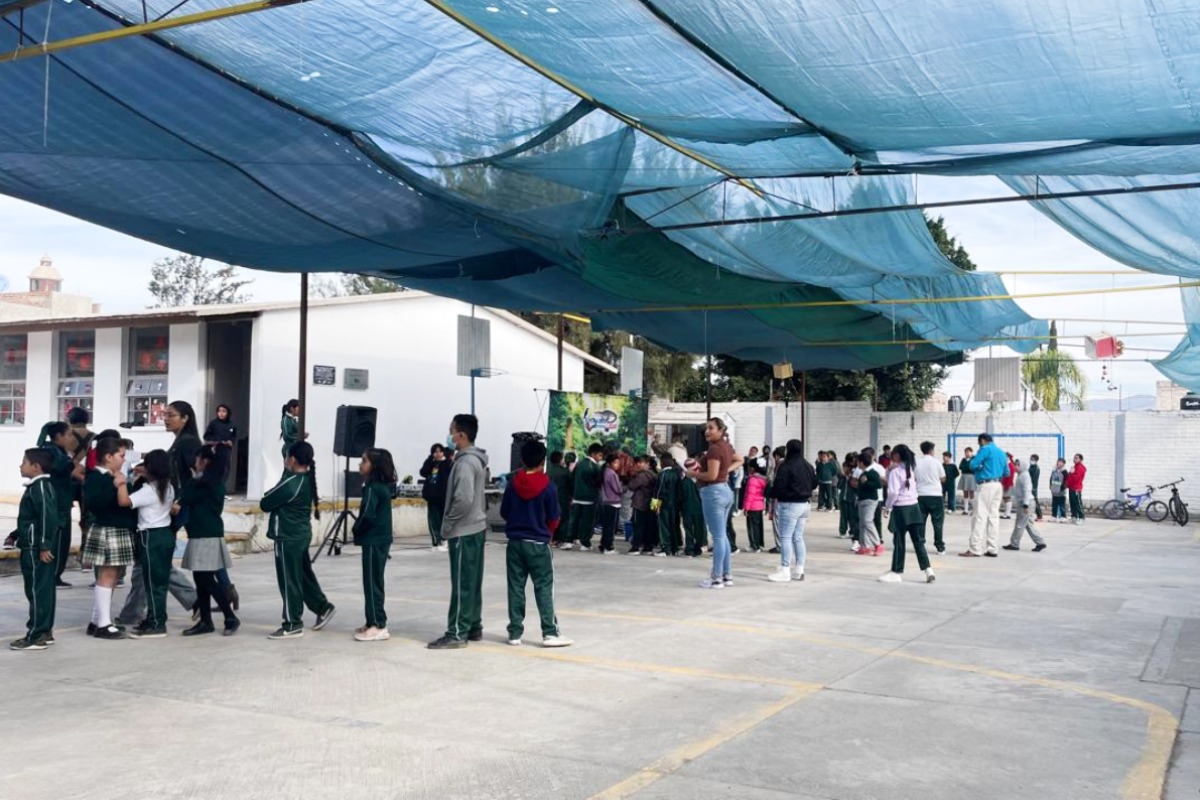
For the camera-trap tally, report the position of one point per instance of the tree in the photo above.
(349, 285)
(1053, 377)
(183, 280)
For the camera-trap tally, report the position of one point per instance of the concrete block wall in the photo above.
(1161, 447)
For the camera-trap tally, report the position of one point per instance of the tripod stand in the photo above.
(338, 534)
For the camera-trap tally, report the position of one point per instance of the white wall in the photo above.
(410, 346)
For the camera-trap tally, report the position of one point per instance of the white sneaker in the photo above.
(585, 547)
(514, 642)
(781, 575)
(890, 577)
(797, 574)
(712, 583)
(556, 641)
(373, 635)
(441, 548)
(855, 547)
(929, 576)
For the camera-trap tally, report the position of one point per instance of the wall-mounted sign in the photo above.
(324, 376)
(355, 379)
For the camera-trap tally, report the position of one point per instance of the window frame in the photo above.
(150, 388)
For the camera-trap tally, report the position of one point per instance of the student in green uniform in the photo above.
(464, 527)
(667, 495)
(951, 476)
(848, 514)
(59, 442)
(373, 533)
(827, 472)
(289, 503)
(531, 512)
(695, 532)
(203, 499)
(109, 545)
(584, 497)
(37, 538)
(562, 479)
(153, 496)
(289, 427)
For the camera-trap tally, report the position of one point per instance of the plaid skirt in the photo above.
(967, 482)
(108, 547)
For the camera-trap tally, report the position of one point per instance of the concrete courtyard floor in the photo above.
(1061, 674)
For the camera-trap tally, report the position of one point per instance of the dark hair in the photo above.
(51, 430)
(157, 464)
(302, 452)
(466, 424)
(668, 460)
(570, 458)
(947, 453)
(433, 448)
(184, 409)
(864, 458)
(228, 412)
(904, 455)
(533, 453)
(926, 448)
(653, 462)
(78, 416)
(556, 457)
(611, 457)
(643, 459)
(719, 423)
(793, 449)
(1079, 456)
(985, 437)
(887, 447)
(751, 468)
(594, 448)
(41, 457)
(107, 446)
(383, 467)
(289, 405)
(869, 451)
(1033, 457)
(214, 474)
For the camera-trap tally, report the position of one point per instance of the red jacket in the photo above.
(756, 490)
(1009, 475)
(1074, 480)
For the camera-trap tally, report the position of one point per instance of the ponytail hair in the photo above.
(303, 454)
(383, 468)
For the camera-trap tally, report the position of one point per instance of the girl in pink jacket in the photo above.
(754, 504)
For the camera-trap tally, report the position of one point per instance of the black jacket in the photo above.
(794, 481)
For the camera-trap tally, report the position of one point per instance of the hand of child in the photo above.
(46, 556)
(118, 480)
(175, 509)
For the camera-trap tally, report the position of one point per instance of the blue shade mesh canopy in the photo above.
(560, 156)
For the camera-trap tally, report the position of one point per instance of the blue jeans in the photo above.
(792, 519)
(717, 500)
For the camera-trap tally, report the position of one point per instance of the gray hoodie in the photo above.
(466, 507)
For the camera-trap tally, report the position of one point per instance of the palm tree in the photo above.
(1053, 377)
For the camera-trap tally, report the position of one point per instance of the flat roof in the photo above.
(246, 311)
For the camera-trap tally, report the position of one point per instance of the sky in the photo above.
(114, 269)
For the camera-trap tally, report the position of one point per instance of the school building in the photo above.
(397, 352)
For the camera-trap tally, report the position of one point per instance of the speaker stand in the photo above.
(338, 535)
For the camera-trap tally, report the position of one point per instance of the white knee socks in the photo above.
(102, 606)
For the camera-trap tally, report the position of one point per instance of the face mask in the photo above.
(450, 443)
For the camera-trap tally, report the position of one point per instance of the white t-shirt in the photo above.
(152, 512)
(881, 469)
(929, 474)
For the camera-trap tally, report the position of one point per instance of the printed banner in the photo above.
(577, 420)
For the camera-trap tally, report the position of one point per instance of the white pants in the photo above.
(985, 522)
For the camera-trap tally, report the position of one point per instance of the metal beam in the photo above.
(140, 29)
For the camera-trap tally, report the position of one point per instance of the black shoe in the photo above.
(148, 632)
(25, 643)
(59, 583)
(231, 626)
(775, 550)
(199, 628)
(111, 632)
(992, 555)
(48, 638)
(1040, 548)
(286, 633)
(475, 636)
(446, 643)
(234, 600)
(323, 618)
(120, 582)
(1010, 547)
(91, 629)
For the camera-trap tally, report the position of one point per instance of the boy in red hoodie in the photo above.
(531, 513)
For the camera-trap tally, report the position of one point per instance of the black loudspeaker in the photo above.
(354, 432)
(520, 439)
(352, 483)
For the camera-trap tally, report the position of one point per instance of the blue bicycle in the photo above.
(1156, 510)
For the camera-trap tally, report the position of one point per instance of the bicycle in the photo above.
(1156, 510)
(1178, 508)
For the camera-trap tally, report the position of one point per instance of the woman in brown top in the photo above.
(716, 498)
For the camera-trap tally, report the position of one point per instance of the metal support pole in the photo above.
(803, 408)
(301, 393)
(708, 387)
(561, 331)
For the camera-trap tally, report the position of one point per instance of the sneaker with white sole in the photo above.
(781, 575)
(372, 634)
(441, 548)
(286, 633)
(323, 618)
(514, 642)
(587, 548)
(712, 583)
(555, 641)
(728, 581)
(890, 577)
(929, 576)
(797, 574)
(566, 546)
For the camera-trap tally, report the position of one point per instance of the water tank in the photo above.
(956, 404)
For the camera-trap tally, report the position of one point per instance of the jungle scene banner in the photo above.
(576, 420)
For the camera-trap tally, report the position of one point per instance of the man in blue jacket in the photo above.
(531, 515)
(989, 465)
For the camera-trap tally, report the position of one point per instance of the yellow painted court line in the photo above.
(1144, 782)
